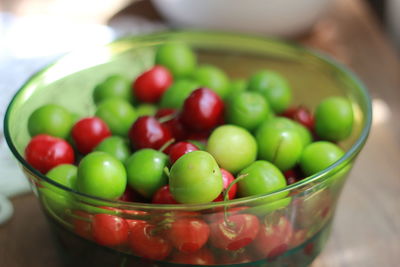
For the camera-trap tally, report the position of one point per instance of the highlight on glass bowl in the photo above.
(190, 148)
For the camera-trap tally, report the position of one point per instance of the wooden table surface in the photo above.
(366, 229)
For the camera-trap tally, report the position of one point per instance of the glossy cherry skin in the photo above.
(239, 231)
(148, 132)
(179, 149)
(151, 84)
(163, 112)
(227, 179)
(45, 152)
(202, 256)
(273, 238)
(130, 195)
(147, 243)
(170, 119)
(202, 110)
(302, 115)
(109, 230)
(87, 133)
(81, 223)
(188, 234)
(163, 196)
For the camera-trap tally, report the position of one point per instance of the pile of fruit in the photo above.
(182, 133)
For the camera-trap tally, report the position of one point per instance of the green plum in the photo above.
(50, 119)
(146, 110)
(212, 78)
(195, 178)
(319, 155)
(177, 57)
(115, 146)
(273, 87)
(262, 177)
(237, 86)
(118, 114)
(247, 109)
(334, 119)
(101, 175)
(113, 86)
(176, 94)
(279, 142)
(146, 171)
(233, 147)
(65, 174)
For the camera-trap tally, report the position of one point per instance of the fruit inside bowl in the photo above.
(190, 148)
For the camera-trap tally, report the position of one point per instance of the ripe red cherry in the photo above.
(151, 84)
(291, 176)
(81, 223)
(202, 110)
(44, 152)
(129, 195)
(163, 196)
(87, 133)
(179, 149)
(176, 128)
(163, 112)
(302, 115)
(146, 242)
(148, 132)
(235, 233)
(202, 256)
(227, 179)
(188, 234)
(109, 230)
(274, 237)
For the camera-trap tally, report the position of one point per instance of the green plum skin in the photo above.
(115, 146)
(195, 178)
(334, 119)
(146, 110)
(50, 119)
(212, 78)
(101, 175)
(113, 86)
(176, 94)
(273, 87)
(65, 174)
(262, 178)
(145, 170)
(233, 147)
(118, 114)
(318, 156)
(237, 86)
(177, 57)
(279, 142)
(247, 109)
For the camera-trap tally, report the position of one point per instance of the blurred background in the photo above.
(362, 34)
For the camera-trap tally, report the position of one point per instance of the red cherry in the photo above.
(219, 215)
(235, 233)
(163, 112)
(199, 136)
(109, 230)
(301, 115)
(87, 133)
(135, 223)
(179, 149)
(151, 84)
(188, 234)
(202, 256)
(146, 242)
(82, 223)
(291, 177)
(147, 132)
(176, 128)
(202, 110)
(129, 195)
(44, 152)
(273, 239)
(163, 196)
(227, 179)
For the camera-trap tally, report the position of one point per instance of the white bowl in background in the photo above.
(283, 18)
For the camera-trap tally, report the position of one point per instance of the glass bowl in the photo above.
(292, 230)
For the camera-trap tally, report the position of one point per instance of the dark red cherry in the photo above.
(148, 132)
(227, 179)
(163, 196)
(179, 149)
(202, 110)
(151, 84)
(302, 115)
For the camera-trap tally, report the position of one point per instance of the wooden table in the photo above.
(366, 230)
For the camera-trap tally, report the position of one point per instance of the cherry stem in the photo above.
(166, 144)
(166, 118)
(226, 198)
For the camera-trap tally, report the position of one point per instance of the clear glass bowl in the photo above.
(295, 228)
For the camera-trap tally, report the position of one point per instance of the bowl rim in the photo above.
(317, 177)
